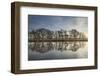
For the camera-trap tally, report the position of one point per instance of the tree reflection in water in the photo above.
(44, 47)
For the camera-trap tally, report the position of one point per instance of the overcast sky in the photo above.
(58, 22)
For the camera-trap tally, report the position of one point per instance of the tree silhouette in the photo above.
(43, 34)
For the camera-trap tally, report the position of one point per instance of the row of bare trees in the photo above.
(60, 34)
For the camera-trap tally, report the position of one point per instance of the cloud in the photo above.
(58, 22)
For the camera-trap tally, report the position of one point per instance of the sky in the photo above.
(55, 23)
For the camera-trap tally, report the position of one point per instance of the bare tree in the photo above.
(74, 33)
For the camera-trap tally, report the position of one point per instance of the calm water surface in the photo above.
(57, 50)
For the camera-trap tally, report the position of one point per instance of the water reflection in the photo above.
(57, 50)
(43, 47)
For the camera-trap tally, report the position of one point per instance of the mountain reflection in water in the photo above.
(57, 50)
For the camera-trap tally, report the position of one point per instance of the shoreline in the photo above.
(57, 40)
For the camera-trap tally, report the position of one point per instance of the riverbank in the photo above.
(56, 40)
